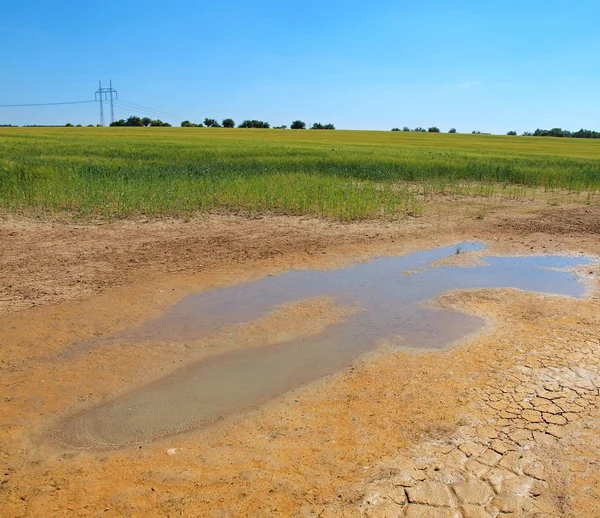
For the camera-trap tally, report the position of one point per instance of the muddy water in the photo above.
(390, 293)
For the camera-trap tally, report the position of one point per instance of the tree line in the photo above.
(554, 132)
(230, 123)
(134, 120)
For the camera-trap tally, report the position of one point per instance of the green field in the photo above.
(121, 172)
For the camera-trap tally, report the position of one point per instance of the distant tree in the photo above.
(188, 124)
(476, 132)
(90, 125)
(527, 134)
(254, 124)
(146, 121)
(228, 123)
(159, 123)
(395, 129)
(512, 133)
(68, 125)
(134, 120)
(452, 130)
(433, 129)
(298, 125)
(583, 133)
(319, 126)
(211, 123)
(420, 130)
(120, 122)
(405, 128)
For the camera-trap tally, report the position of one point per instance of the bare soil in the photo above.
(506, 422)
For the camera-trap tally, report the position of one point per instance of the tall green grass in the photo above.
(347, 175)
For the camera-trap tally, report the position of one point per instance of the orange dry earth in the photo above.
(398, 433)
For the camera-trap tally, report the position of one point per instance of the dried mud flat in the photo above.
(505, 423)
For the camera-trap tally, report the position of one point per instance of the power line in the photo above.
(153, 114)
(139, 106)
(44, 104)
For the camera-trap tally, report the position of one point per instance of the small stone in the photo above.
(172, 451)
(473, 492)
(430, 493)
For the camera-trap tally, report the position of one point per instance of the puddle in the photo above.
(391, 302)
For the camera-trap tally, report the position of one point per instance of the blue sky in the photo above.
(487, 65)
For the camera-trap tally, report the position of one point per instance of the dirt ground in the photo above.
(506, 422)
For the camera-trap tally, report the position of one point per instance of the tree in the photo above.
(211, 123)
(420, 130)
(146, 121)
(298, 125)
(433, 129)
(319, 126)
(476, 132)
(452, 130)
(228, 123)
(254, 124)
(134, 120)
(405, 128)
(512, 133)
(395, 129)
(68, 125)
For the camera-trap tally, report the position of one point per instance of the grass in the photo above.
(346, 175)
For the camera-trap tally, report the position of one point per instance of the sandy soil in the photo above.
(506, 422)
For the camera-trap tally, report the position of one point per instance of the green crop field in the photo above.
(121, 172)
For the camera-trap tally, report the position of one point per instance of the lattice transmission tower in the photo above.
(106, 94)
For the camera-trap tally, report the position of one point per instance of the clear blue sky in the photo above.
(487, 65)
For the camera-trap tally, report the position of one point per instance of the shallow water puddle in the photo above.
(390, 292)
